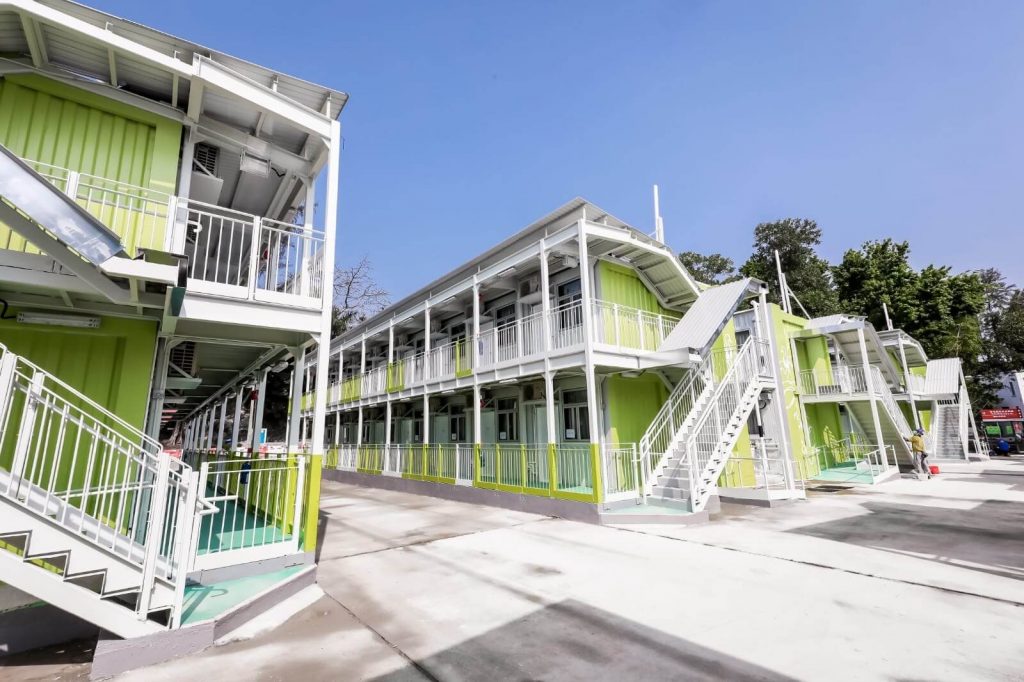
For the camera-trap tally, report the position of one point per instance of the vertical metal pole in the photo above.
(869, 382)
(261, 401)
(295, 398)
(222, 423)
(906, 379)
(237, 422)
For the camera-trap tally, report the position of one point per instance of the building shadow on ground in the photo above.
(572, 641)
(987, 538)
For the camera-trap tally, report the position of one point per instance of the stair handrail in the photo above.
(123, 494)
(664, 429)
(748, 362)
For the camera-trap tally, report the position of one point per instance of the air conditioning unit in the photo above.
(403, 342)
(529, 289)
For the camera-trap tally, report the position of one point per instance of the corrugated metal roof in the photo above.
(706, 317)
(830, 320)
(942, 377)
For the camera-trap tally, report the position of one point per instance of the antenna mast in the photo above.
(659, 225)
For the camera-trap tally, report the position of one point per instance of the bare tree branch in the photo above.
(357, 295)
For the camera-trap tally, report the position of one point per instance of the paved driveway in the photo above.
(915, 580)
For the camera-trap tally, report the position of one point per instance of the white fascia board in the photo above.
(246, 313)
(140, 269)
(202, 69)
(532, 251)
(221, 78)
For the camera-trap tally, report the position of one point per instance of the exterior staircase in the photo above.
(95, 518)
(895, 427)
(689, 442)
(950, 440)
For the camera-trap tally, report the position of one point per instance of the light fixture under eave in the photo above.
(59, 320)
(254, 165)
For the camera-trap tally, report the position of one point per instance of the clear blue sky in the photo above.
(468, 120)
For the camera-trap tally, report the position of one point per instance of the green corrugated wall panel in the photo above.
(919, 371)
(112, 365)
(783, 325)
(632, 404)
(618, 284)
(54, 123)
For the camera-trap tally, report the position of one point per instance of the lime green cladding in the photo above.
(621, 285)
(111, 365)
(783, 326)
(632, 404)
(55, 123)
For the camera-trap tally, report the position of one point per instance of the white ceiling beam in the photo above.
(241, 140)
(35, 47)
(222, 79)
(112, 60)
(195, 101)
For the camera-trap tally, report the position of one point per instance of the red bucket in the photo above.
(933, 469)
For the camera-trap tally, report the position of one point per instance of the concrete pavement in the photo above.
(912, 580)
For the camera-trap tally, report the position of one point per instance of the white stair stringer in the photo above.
(81, 560)
(97, 518)
(662, 444)
(713, 437)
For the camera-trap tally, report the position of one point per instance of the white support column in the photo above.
(387, 425)
(337, 428)
(906, 380)
(588, 336)
(426, 418)
(237, 422)
(477, 434)
(156, 396)
(427, 370)
(545, 293)
(549, 406)
(295, 399)
(788, 449)
(257, 422)
(476, 323)
(327, 285)
(222, 423)
(869, 381)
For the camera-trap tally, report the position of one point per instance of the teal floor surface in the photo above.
(235, 527)
(203, 602)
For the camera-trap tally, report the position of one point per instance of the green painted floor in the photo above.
(235, 527)
(203, 602)
(846, 474)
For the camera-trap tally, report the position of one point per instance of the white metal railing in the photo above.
(881, 388)
(511, 341)
(917, 384)
(834, 380)
(765, 469)
(623, 472)
(290, 260)
(669, 426)
(69, 459)
(142, 217)
(629, 328)
(711, 438)
(860, 458)
(375, 382)
(253, 504)
(286, 264)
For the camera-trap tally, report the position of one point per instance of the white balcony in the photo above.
(230, 254)
(616, 329)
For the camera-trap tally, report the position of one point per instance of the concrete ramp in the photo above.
(706, 318)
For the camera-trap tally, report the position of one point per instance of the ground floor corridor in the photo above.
(908, 580)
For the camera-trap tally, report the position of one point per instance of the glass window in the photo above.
(569, 314)
(508, 419)
(575, 416)
(457, 426)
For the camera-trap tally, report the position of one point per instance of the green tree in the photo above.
(936, 307)
(809, 276)
(713, 268)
